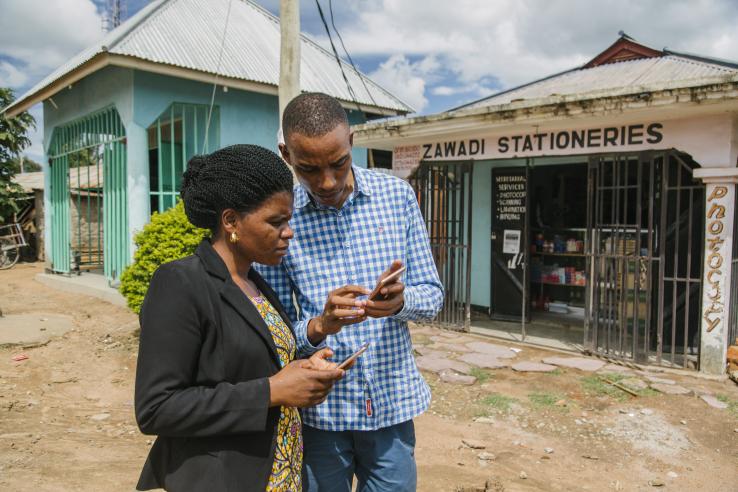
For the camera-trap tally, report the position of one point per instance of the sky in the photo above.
(432, 54)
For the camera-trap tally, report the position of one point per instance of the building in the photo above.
(123, 117)
(592, 208)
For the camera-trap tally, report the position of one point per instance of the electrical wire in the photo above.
(335, 54)
(330, 9)
(215, 79)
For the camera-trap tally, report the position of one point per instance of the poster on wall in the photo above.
(509, 240)
(405, 159)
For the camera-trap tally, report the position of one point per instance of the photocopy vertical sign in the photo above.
(716, 282)
(405, 159)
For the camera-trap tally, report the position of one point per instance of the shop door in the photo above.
(444, 191)
(509, 244)
(644, 249)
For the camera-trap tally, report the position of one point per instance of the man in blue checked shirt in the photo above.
(352, 227)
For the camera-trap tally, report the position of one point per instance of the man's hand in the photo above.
(391, 297)
(341, 309)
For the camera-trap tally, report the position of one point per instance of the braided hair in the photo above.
(241, 177)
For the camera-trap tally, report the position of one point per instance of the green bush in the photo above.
(169, 236)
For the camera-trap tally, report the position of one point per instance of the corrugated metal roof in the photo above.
(30, 181)
(632, 76)
(188, 34)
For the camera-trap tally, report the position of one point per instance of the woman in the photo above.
(216, 379)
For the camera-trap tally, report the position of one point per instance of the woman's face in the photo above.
(265, 232)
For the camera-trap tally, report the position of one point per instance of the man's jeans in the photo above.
(383, 460)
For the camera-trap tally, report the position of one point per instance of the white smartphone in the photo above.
(353, 356)
(386, 280)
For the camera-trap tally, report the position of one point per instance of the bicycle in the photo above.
(11, 241)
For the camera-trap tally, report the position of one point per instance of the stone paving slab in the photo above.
(428, 352)
(581, 363)
(492, 349)
(485, 361)
(656, 379)
(32, 329)
(634, 384)
(671, 389)
(438, 364)
(616, 368)
(714, 402)
(533, 367)
(449, 347)
(453, 377)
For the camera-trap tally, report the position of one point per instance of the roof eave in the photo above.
(105, 59)
(434, 124)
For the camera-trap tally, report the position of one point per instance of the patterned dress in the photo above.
(287, 469)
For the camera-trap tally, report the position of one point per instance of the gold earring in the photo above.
(234, 237)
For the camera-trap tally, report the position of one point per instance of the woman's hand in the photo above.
(303, 384)
(319, 360)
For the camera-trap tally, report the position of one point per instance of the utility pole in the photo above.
(289, 55)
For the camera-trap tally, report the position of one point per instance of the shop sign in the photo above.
(714, 305)
(557, 142)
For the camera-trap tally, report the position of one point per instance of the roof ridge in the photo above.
(136, 21)
(703, 60)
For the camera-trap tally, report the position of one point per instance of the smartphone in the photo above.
(386, 280)
(353, 356)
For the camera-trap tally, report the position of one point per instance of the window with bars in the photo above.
(179, 133)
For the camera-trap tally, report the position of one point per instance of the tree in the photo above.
(29, 165)
(13, 140)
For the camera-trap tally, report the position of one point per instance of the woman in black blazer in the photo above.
(216, 379)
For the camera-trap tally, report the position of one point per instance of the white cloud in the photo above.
(43, 34)
(518, 41)
(10, 76)
(405, 79)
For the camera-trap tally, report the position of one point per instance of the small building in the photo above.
(592, 209)
(123, 117)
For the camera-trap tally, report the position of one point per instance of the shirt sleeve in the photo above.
(423, 289)
(279, 280)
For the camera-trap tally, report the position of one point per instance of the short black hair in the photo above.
(241, 177)
(312, 114)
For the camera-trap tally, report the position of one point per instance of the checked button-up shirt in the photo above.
(378, 223)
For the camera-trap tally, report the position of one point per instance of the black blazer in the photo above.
(201, 382)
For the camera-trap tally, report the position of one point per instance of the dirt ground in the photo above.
(67, 416)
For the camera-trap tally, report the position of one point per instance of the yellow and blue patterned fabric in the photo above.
(287, 469)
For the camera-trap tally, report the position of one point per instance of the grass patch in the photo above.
(544, 400)
(481, 375)
(732, 404)
(556, 372)
(594, 385)
(499, 402)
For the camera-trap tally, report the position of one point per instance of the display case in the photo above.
(557, 272)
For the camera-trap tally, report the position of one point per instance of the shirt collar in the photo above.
(361, 187)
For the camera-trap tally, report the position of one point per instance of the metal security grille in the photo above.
(733, 315)
(444, 195)
(178, 133)
(644, 271)
(89, 211)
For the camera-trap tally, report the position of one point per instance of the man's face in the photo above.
(322, 164)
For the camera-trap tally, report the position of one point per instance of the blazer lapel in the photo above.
(234, 296)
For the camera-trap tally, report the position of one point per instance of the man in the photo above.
(352, 227)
